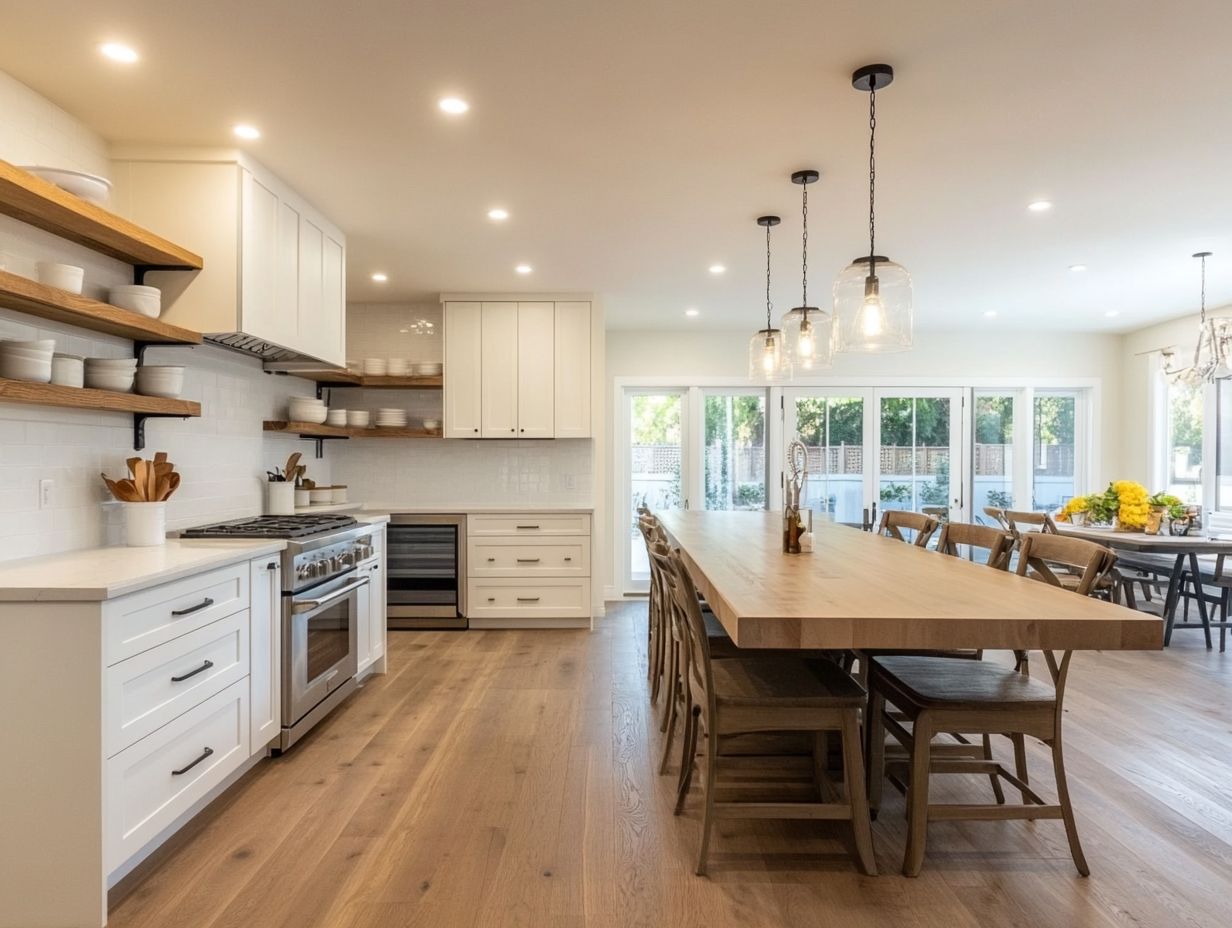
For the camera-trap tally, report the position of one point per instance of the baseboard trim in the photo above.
(528, 622)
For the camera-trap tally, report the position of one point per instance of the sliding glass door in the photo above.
(834, 427)
(919, 462)
(656, 423)
(734, 448)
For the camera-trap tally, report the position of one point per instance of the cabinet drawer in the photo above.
(544, 599)
(528, 524)
(161, 776)
(529, 557)
(144, 620)
(146, 692)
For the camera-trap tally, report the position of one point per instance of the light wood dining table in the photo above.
(858, 590)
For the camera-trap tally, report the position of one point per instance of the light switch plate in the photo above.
(45, 486)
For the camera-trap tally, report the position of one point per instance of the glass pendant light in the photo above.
(1212, 355)
(872, 296)
(769, 360)
(807, 328)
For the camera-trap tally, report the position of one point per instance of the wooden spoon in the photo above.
(132, 465)
(292, 461)
(173, 484)
(160, 457)
(151, 482)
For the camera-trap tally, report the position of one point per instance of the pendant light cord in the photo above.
(804, 259)
(1202, 318)
(872, 171)
(769, 305)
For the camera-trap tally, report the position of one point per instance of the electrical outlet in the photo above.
(45, 486)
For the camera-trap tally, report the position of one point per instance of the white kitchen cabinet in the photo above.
(571, 353)
(463, 369)
(274, 266)
(536, 399)
(517, 369)
(372, 623)
(499, 377)
(265, 679)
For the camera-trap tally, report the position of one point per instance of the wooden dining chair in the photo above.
(997, 514)
(657, 630)
(998, 544)
(749, 695)
(895, 521)
(980, 698)
(1020, 523)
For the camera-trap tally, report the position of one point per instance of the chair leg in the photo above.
(874, 749)
(708, 812)
(673, 697)
(1067, 810)
(688, 758)
(1223, 618)
(670, 679)
(853, 776)
(1020, 762)
(917, 794)
(996, 780)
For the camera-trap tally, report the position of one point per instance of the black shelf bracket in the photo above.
(139, 425)
(320, 440)
(140, 270)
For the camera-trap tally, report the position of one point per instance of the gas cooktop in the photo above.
(273, 527)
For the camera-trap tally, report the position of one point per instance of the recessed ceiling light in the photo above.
(118, 52)
(498, 214)
(523, 268)
(1112, 314)
(1040, 206)
(245, 131)
(990, 314)
(455, 106)
(691, 312)
(1077, 268)
(380, 277)
(717, 269)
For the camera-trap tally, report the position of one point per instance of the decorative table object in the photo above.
(145, 496)
(793, 525)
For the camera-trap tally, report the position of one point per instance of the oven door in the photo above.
(320, 628)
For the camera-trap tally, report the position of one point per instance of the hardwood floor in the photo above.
(506, 778)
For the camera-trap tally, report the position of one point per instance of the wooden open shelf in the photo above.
(36, 299)
(47, 394)
(338, 378)
(40, 203)
(312, 430)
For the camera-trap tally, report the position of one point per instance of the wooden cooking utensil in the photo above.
(292, 461)
(160, 457)
(151, 483)
(132, 465)
(173, 484)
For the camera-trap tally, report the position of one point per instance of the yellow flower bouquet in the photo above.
(1125, 503)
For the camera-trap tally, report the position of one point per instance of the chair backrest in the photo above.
(998, 544)
(1041, 551)
(997, 514)
(1016, 521)
(687, 613)
(893, 521)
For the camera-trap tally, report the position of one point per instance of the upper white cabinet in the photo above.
(517, 369)
(275, 268)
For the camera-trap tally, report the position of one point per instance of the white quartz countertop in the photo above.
(467, 510)
(104, 573)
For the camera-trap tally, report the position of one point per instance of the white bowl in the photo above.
(25, 354)
(40, 346)
(67, 371)
(161, 380)
(321, 495)
(63, 276)
(336, 417)
(431, 424)
(90, 187)
(145, 300)
(338, 494)
(114, 363)
(358, 418)
(115, 381)
(375, 367)
(32, 369)
(311, 414)
(428, 368)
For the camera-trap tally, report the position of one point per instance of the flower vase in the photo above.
(1155, 520)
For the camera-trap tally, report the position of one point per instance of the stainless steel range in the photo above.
(320, 608)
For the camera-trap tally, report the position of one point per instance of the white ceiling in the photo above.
(635, 141)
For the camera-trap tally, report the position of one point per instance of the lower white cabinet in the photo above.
(372, 604)
(529, 568)
(265, 681)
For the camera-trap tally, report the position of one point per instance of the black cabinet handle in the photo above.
(272, 565)
(491, 599)
(204, 604)
(528, 560)
(192, 673)
(491, 560)
(527, 527)
(204, 754)
(476, 430)
(568, 559)
(528, 599)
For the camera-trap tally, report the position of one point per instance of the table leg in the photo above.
(1200, 595)
(1172, 597)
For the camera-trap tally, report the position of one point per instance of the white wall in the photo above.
(950, 358)
(222, 455)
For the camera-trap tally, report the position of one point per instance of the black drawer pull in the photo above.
(528, 527)
(204, 604)
(491, 560)
(568, 559)
(528, 599)
(491, 599)
(528, 560)
(192, 673)
(204, 754)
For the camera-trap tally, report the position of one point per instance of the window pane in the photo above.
(994, 452)
(1052, 450)
(915, 453)
(654, 467)
(736, 452)
(1223, 441)
(1185, 442)
(832, 429)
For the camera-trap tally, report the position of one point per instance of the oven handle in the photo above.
(311, 605)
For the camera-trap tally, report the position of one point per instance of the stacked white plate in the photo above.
(307, 409)
(336, 417)
(429, 368)
(398, 367)
(27, 360)
(358, 418)
(165, 380)
(90, 187)
(375, 367)
(68, 370)
(140, 299)
(391, 418)
(114, 374)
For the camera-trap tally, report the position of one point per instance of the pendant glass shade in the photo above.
(769, 360)
(872, 312)
(809, 338)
